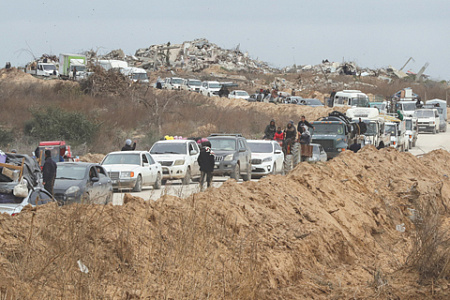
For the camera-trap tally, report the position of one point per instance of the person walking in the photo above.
(128, 146)
(206, 162)
(49, 172)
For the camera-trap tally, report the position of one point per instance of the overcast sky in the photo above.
(371, 33)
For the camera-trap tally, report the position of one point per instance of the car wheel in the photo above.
(187, 178)
(138, 186)
(158, 182)
(248, 174)
(236, 172)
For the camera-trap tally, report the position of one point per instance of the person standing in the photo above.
(128, 146)
(49, 172)
(206, 162)
(362, 127)
(302, 124)
(270, 130)
(74, 73)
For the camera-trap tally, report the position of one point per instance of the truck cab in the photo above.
(375, 134)
(397, 130)
(407, 108)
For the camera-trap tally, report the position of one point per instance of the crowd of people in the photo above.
(290, 134)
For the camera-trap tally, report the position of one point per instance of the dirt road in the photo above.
(425, 143)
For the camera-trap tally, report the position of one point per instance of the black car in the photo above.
(232, 156)
(79, 182)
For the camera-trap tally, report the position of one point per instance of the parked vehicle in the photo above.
(20, 178)
(210, 88)
(428, 119)
(238, 94)
(173, 83)
(375, 134)
(351, 98)
(41, 69)
(318, 154)
(132, 170)
(192, 85)
(109, 64)
(232, 155)
(69, 62)
(396, 128)
(81, 182)
(138, 75)
(412, 130)
(267, 158)
(335, 133)
(311, 102)
(178, 159)
(441, 106)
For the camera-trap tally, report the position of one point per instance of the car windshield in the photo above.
(9, 198)
(408, 106)
(390, 129)
(313, 102)
(242, 93)
(223, 144)
(362, 101)
(261, 147)
(122, 159)
(169, 148)
(49, 67)
(371, 129)
(425, 114)
(215, 86)
(70, 172)
(195, 82)
(140, 76)
(177, 81)
(408, 124)
(320, 128)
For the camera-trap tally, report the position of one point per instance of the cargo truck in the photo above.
(69, 62)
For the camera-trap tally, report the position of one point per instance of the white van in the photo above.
(109, 64)
(353, 98)
(428, 119)
(441, 106)
(407, 108)
(173, 83)
(210, 88)
(135, 74)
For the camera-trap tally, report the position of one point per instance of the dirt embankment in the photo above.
(324, 231)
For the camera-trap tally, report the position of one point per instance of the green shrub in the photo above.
(57, 124)
(6, 137)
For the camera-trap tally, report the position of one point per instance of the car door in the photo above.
(279, 156)
(93, 187)
(105, 181)
(146, 170)
(193, 153)
(153, 167)
(243, 155)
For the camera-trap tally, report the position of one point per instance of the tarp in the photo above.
(31, 170)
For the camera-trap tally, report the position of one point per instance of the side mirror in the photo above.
(277, 151)
(144, 164)
(95, 179)
(193, 152)
(242, 150)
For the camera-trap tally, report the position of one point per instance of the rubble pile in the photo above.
(325, 231)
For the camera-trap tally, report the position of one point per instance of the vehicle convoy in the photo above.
(210, 88)
(69, 62)
(138, 75)
(42, 69)
(178, 159)
(375, 134)
(428, 119)
(232, 156)
(335, 133)
(20, 186)
(267, 158)
(353, 98)
(173, 83)
(132, 170)
(80, 182)
(441, 106)
(396, 128)
(412, 130)
(192, 85)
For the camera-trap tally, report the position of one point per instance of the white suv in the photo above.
(178, 159)
(428, 119)
(267, 157)
(210, 88)
(173, 83)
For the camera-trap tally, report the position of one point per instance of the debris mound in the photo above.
(326, 230)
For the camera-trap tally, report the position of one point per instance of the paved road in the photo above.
(425, 143)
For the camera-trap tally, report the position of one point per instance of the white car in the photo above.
(318, 154)
(210, 88)
(13, 205)
(132, 170)
(192, 85)
(173, 83)
(238, 94)
(267, 157)
(178, 159)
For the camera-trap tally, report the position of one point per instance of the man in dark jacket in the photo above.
(206, 162)
(303, 123)
(270, 130)
(49, 172)
(362, 127)
(128, 146)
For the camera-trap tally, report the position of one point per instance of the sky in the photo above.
(371, 33)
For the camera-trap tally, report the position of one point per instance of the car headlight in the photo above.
(126, 174)
(267, 159)
(228, 157)
(179, 162)
(73, 190)
(431, 123)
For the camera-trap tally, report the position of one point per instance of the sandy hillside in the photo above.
(325, 231)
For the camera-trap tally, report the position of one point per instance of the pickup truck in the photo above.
(375, 134)
(178, 159)
(41, 69)
(396, 128)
